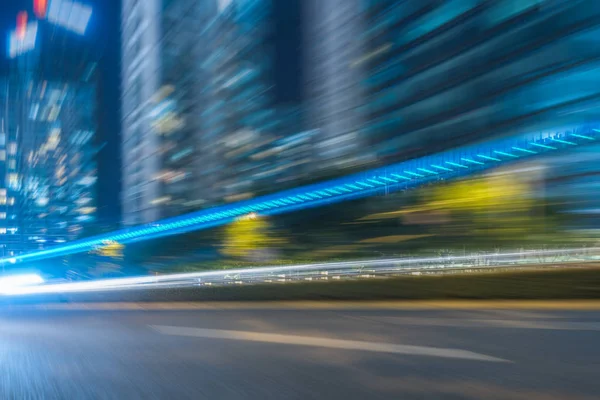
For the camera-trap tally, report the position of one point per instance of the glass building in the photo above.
(386, 81)
(140, 55)
(334, 80)
(47, 194)
(437, 74)
(48, 169)
(200, 114)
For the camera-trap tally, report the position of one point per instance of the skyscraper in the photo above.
(334, 80)
(141, 70)
(47, 154)
(406, 78)
(47, 144)
(201, 114)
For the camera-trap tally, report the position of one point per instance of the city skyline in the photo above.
(216, 128)
(51, 91)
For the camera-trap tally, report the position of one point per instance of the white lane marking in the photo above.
(324, 342)
(493, 323)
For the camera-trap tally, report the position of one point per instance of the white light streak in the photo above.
(341, 268)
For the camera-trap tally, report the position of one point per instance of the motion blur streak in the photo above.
(11, 282)
(347, 268)
(376, 181)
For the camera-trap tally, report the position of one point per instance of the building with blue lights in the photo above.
(141, 80)
(437, 74)
(48, 142)
(201, 116)
(47, 151)
(386, 81)
(333, 81)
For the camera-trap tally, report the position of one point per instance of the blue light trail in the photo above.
(377, 181)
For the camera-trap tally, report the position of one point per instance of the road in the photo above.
(298, 354)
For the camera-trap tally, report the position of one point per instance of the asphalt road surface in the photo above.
(299, 354)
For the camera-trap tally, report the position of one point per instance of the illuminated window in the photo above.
(2, 215)
(54, 138)
(3, 192)
(2, 155)
(61, 12)
(12, 148)
(2, 200)
(11, 201)
(12, 164)
(13, 181)
(87, 210)
(2, 231)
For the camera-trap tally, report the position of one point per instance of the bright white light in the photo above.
(17, 46)
(9, 283)
(223, 4)
(147, 282)
(87, 180)
(71, 15)
(42, 201)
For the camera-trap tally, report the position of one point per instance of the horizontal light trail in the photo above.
(373, 182)
(12, 281)
(345, 268)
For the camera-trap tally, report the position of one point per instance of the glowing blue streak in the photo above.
(525, 150)
(488, 158)
(402, 177)
(584, 137)
(364, 184)
(388, 179)
(456, 164)
(472, 161)
(563, 141)
(543, 146)
(346, 188)
(442, 168)
(414, 174)
(505, 154)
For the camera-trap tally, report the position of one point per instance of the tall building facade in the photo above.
(385, 81)
(48, 171)
(49, 174)
(200, 104)
(334, 80)
(140, 80)
(436, 74)
(11, 241)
